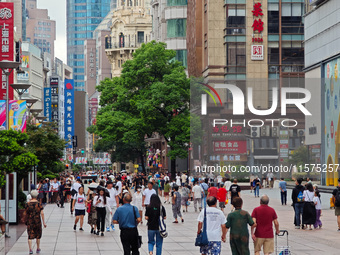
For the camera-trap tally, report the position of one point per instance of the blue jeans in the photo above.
(203, 201)
(152, 242)
(257, 190)
(298, 213)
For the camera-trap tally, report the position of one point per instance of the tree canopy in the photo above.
(15, 156)
(151, 96)
(46, 144)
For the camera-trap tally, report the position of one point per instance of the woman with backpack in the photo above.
(154, 211)
(298, 202)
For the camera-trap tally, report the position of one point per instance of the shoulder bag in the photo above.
(162, 227)
(139, 239)
(202, 238)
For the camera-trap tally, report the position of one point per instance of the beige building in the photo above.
(40, 29)
(131, 26)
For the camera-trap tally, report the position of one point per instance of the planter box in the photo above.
(2, 244)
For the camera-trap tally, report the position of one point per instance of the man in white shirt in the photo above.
(216, 230)
(147, 193)
(166, 178)
(54, 189)
(119, 185)
(113, 203)
(184, 179)
(75, 187)
(198, 193)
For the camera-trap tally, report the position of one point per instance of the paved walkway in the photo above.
(60, 239)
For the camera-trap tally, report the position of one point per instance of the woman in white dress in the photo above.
(178, 180)
(137, 201)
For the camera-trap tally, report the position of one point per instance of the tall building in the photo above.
(83, 16)
(131, 26)
(40, 29)
(250, 44)
(32, 67)
(169, 23)
(322, 61)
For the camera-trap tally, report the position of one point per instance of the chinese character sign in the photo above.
(17, 114)
(230, 147)
(257, 28)
(6, 43)
(69, 112)
(47, 103)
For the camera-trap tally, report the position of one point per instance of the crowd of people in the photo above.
(123, 200)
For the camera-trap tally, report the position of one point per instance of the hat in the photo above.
(78, 178)
(125, 191)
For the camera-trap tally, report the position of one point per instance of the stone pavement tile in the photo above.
(63, 253)
(65, 247)
(90, 246)
(109, 247)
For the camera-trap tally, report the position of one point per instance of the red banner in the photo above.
(230, 147)
(6, 44)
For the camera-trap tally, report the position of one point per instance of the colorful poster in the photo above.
(25, 62)
(69, 112)
(17, 115)
(6, 44)
(47, 103)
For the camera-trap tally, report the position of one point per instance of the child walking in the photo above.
(318, 207)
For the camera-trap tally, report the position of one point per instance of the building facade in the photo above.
(40, 29)
(32, 65)
(169, 23)
(131, 26)
(83, 16)
(322, 60)
(262, 49)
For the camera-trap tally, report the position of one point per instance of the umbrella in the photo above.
(93, 186)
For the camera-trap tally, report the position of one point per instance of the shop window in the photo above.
(140, 36)
(177, 2)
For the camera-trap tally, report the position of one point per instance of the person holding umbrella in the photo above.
(100, 203)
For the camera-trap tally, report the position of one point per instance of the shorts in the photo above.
(267, 243)
(337, 211)
(213, 248)
(166, 194)
(184, 200)
(222, 204)
(79, 212)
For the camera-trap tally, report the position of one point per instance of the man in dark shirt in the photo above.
(298, 203)
(336, 193)
(128, 217)
(235, 191)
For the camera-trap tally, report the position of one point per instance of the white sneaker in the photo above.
(297, 227)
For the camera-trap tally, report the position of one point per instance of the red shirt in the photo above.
(212, 192)
(264, 216)
(222, 195)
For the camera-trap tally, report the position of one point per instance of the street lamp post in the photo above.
(29, 103)
(7, 68)
(20, 88)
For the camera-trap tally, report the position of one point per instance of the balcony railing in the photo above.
(109, 45)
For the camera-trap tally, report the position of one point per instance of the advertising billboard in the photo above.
(6, 44)
(17, 115)
(69, 111)
(47, 103)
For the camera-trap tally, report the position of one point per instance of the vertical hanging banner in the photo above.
(69, 111)
(17, 115)
(47, 103)
(6, 44)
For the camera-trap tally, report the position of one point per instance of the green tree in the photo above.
(46, 144)
(299, 157)
(151, 96)
(15, 155)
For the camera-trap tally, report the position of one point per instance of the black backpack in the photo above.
(337, 198)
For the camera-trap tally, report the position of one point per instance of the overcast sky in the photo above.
(57, 12)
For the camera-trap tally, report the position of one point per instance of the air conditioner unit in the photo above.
(300, 132)
(265, 131)
(255, 132)
(275, 131)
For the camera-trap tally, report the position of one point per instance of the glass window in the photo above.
(176, 28)
(236, 57)
(273, 55)
(140, 36)
(293, 56)
(177, 2)
(273, 22)
(181, 56)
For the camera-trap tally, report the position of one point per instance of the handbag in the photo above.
(202, 238)
(162, 227)
(139, 238)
